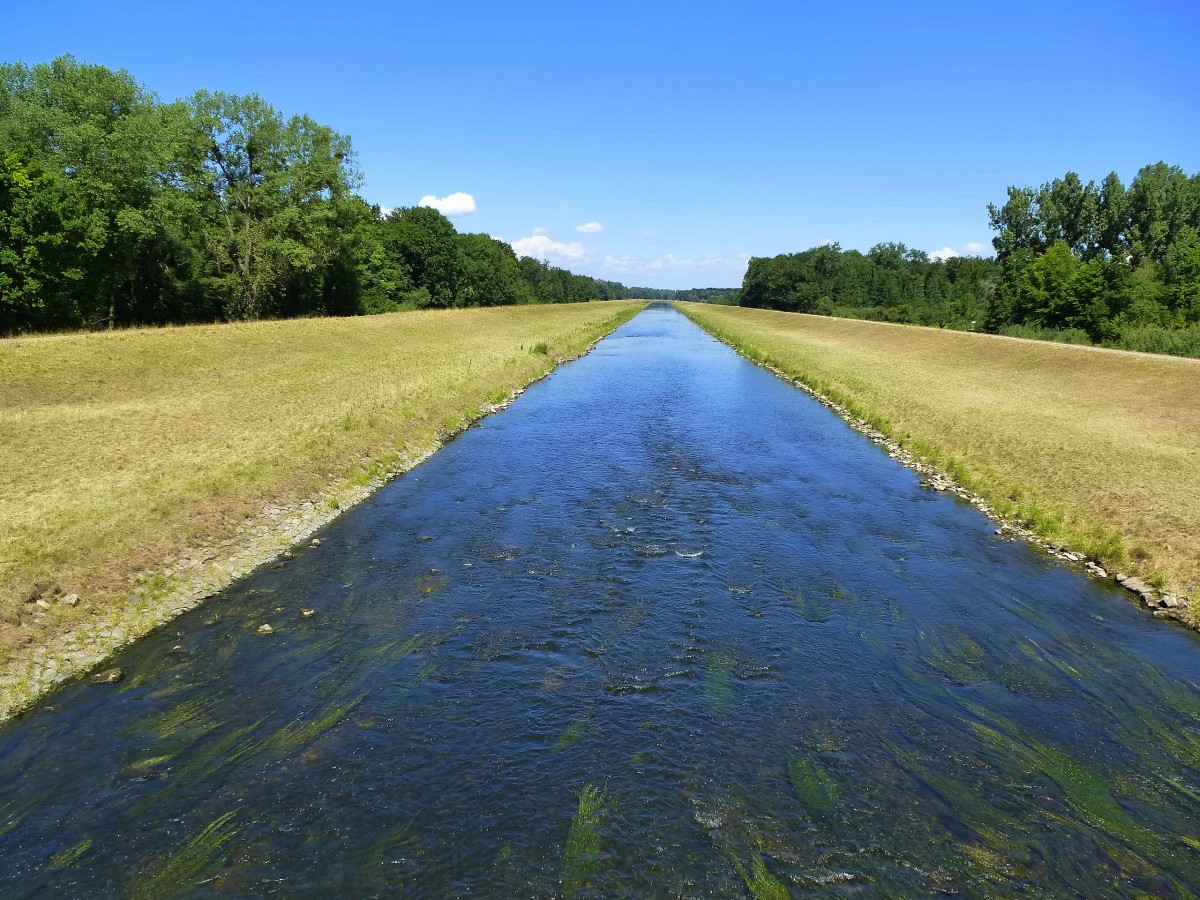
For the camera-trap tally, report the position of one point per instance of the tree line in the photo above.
(726, 296)
(1104, 264)
(119, 209)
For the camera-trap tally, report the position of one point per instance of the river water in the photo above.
(665, 627)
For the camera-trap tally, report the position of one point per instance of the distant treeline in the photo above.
(728, 296)
(119, 209)
(1105, 264)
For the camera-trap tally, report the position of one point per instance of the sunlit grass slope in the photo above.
(1098, 450)
(120, 450)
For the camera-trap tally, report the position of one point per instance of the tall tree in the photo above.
(490, 275)
(274, 193)
(426, 244)
(86, 207)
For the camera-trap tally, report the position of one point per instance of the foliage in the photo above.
(1119, 266)
(889, 283)
(724, 296)
(117, 209)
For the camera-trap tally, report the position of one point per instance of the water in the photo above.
(665, 627)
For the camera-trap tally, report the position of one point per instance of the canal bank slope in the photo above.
(1096, 453)
(146, 470)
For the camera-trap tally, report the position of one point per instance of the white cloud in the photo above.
(589, 228)
(671, 262)
(541, 231)
(542, 247)
(385, 211)
(626, 261)
(972, 249)
(457, 204)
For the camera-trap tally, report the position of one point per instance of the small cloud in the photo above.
(385, 211)
(457, 204)
(542, 247)
(672, 262)
(540, 231)
(626, 261)
(589, 228)
(972, 249)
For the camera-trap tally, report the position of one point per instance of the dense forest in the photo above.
(1086, 263)
(726, 296)
(119, 209)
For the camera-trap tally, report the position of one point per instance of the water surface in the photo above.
(665, 627)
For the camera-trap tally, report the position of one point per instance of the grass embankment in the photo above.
(1093, 449)
(124, 452)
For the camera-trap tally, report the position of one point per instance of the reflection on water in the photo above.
(663, 628)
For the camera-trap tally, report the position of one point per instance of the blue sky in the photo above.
(695, 134)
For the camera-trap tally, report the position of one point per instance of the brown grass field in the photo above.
(1098, 450)
(122, 450)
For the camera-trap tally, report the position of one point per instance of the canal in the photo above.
(664, 627)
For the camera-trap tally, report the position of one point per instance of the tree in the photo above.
(1067, 211)
(1182, 270)
(1160, 202)
(1042, 297)
(1016, 224)
(273, 193)
(88, 207)
(1112, 218)
(490, 274)
(425, 243)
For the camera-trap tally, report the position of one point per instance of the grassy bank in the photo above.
(133, 459)
(1097, 450)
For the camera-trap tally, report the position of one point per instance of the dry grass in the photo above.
(120, 451)
(1098, 450)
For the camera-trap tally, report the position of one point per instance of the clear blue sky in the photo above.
(697, 134)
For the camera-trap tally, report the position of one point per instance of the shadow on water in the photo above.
(665, 627)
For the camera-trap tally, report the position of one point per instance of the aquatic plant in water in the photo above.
(759, 880)
(304, 730)
(69, 856)
(718, 674)
(195, 862)
(812, 783)
(572, 734)
(581, 854)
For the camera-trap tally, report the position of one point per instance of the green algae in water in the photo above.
(198, 861)
(387, 848)
(68, 857)
(960, 659)
(303, 731)
(572, 734)
(581, 855)
(718, 680)
(147, 763)
(189, 716)
(227, 751)
(10, 820)
(1086, 793)
(759, 880)
(1000, 852)
(817, 610)
(812, 783)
